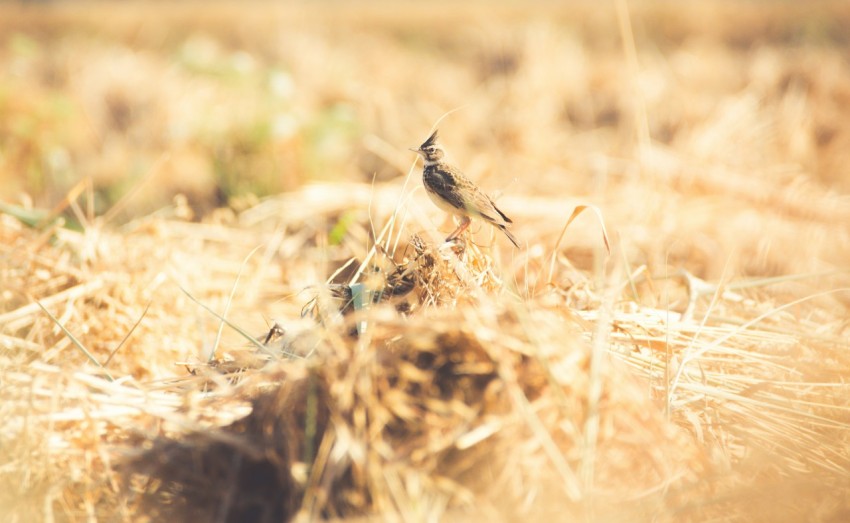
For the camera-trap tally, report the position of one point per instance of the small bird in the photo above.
(453, 192)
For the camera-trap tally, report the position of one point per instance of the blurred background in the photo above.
(666, 114)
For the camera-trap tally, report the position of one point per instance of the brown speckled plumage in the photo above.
(453, 192)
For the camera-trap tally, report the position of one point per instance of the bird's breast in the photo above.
(439, 185)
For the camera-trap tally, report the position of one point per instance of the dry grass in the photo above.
(695, 373)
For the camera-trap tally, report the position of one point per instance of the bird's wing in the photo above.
(451, 185)
(503, 215)
(483, 206)
(460, 192)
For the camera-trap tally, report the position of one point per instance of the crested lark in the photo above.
(453, 192)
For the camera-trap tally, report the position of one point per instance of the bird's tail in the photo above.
(510, 236)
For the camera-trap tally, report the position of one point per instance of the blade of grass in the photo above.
(75, 341)
(233, 326)
(127, 337)
(229, 302)
(578, 210)
(627, 36)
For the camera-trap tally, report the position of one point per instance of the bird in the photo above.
(456, 194)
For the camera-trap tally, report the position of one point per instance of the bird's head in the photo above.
(430, 151)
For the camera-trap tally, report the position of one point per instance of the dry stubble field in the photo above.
(176, 178)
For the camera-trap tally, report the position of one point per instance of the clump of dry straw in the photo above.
(462, 393)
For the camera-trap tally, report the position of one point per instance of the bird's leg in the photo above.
(464, 224)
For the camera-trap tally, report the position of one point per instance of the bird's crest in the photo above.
(430, 142)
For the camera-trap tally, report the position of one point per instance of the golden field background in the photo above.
(159, 159)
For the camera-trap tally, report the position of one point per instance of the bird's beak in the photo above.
(414, 149)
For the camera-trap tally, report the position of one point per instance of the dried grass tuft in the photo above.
(446, 391)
